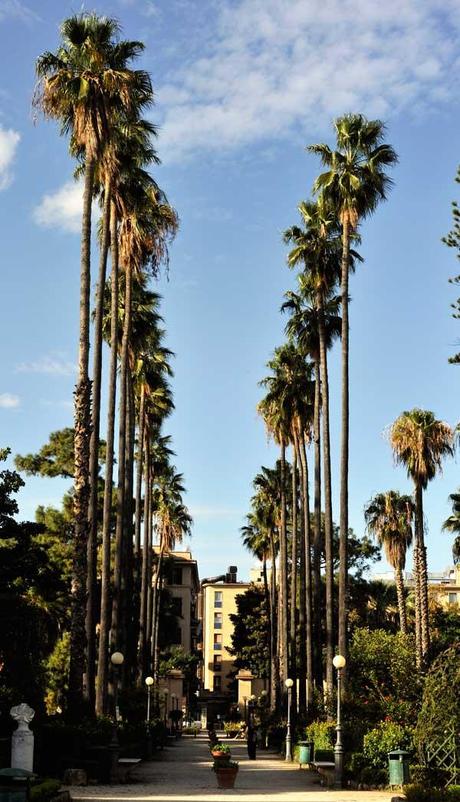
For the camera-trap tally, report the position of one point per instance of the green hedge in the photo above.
(419, 793)
(44, 791)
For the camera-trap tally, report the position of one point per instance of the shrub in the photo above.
(321, 733)
(382, 739)
(232, 727)
(44, 791)
(373, 776)
(220, 747)
(355, 763)
(428, 776)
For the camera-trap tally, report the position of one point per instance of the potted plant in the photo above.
(220, 751)
(226, 772)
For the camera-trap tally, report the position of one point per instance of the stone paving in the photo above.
(182, 772)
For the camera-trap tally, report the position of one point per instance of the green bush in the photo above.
(44, 790)
(321, 733)
(419, 793)
(232, 727)
(382, 739)
(428, 776)
(354, 765)
(373, 776)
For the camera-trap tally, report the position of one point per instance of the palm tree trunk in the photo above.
(142, 661)
(102, 675)
(302, 593)
(137, 579)
(156, 589)
(327, 507)
(81, 476)
(269, 614)
(399, 581)
(274, 687)
(308, 583)
(119, 574)
(423, 577)
(317, 542)
(344, 449)
(283, 619)
(129, 633)
(91, 586)
(293, 588)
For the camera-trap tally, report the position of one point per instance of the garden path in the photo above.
(182, 773)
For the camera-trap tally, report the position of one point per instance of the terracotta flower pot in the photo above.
(226, 776)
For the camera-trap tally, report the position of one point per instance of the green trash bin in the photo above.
(398, 767)
(305, 752)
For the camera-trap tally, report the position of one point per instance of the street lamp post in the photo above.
(338, 663)
(117, 660)
(149, 683)
(289, 683)
(165, 692)
(173, 707)
(252, 737)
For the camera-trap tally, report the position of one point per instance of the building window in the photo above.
(217, 598)
(452, 598)
(217, 684)
(217, 641)
(217, 620)
(176, 603)
(175, 636)
(177, 575)
(217, 666)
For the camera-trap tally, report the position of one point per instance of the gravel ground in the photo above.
(182, 772)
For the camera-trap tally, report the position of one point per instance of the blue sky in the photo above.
(242, 86)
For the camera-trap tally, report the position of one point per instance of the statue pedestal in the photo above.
(22, 742)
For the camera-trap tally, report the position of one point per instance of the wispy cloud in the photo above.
(9, 141)
(272, 69)
(13, 9)
(48, 364)
(63, 403)
(9, 401)
(210, 511)
(61, 209)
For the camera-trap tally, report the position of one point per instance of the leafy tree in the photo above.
(440, 711)
(382, 679)
(251, 637)
(33, 598)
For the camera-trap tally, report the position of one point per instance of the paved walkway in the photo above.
(182, 772)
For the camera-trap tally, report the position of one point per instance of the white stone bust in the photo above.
(23, 714)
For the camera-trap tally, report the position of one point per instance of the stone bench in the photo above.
(325, 769)
(125, 766)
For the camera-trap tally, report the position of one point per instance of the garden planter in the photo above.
(218, 755)
(226, 776)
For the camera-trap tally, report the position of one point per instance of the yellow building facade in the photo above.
(218, 603)
(447, 591)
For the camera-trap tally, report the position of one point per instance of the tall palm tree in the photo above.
(266, 511)
(420, 442)
(311, 313)
(316, 247)
(452, 525)
(83, 87)
(389, 518)
(354, 183)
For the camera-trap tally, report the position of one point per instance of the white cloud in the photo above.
(272, 68)
(16, 10)
(9, 401)
(54, 365)
(62, 208)
(210, 511)
(9, 141)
